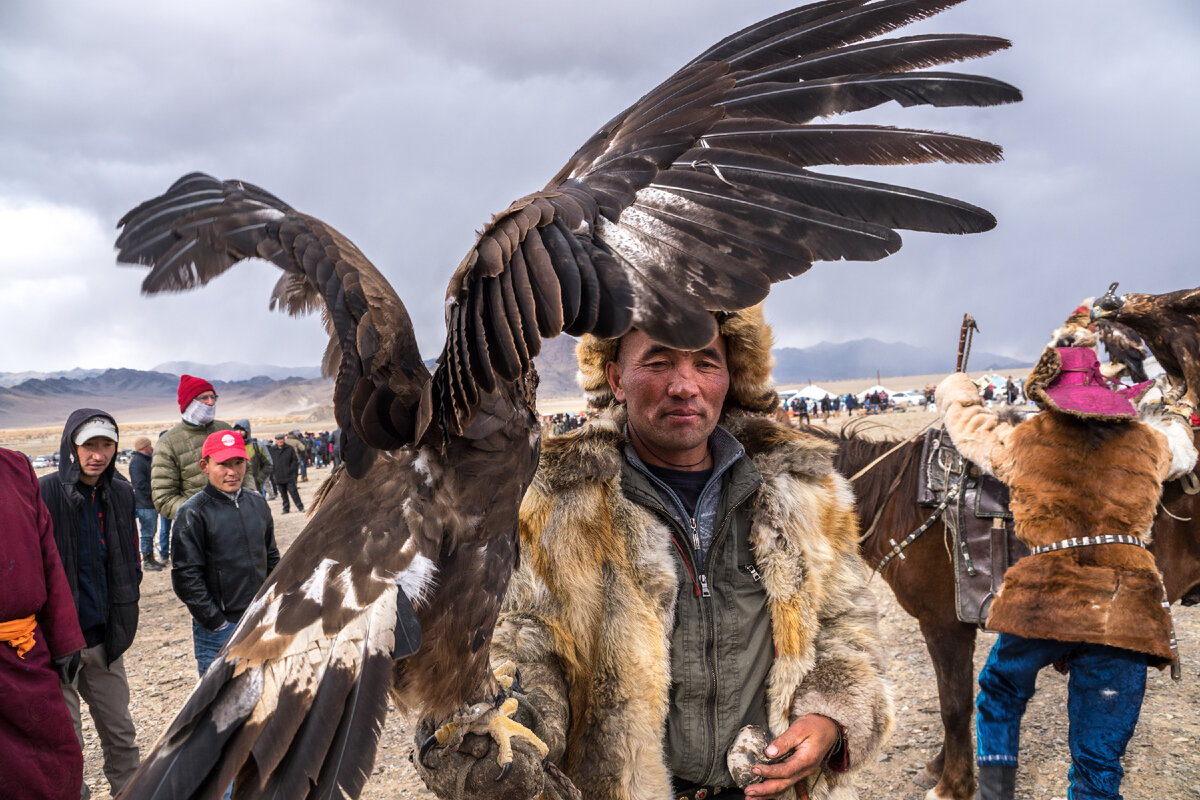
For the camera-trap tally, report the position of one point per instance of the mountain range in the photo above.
(263, 390)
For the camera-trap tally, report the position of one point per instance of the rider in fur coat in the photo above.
(1084, 477)
(598, 617)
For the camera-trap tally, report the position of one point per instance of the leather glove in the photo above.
(67, 667)
(470, 772)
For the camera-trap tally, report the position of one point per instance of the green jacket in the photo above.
(721, 647)
(602, 615)
(175, 468)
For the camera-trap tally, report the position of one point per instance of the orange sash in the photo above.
(19, 633)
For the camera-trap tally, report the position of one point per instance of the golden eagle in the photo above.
(1126, 353)
(692, 201)
(1169, 324)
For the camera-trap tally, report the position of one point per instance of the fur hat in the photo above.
(748, 341)
(190, 388)
(1068, 379)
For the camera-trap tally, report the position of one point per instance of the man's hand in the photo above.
(67, 667)
(809, 740)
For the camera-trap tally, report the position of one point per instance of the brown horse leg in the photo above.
(951, 646)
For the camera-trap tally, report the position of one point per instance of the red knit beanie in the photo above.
(189, 388)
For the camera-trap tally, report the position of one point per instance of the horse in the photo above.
(885, 474)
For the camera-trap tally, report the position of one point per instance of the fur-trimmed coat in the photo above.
(1069, 478)
(589, 613)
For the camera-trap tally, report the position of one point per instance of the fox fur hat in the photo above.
(748, 341)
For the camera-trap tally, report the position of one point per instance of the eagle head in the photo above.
(1109, 303)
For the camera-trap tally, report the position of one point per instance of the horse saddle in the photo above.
(984, 544)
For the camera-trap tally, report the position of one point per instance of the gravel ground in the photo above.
(1163, 760)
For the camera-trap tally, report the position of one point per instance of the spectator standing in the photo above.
(175, 470)
(286, 468)
(335, 446)
(297, 443)
(224, 545)
(143, 502)
(96, 534)
(258, 460)
(40, 642)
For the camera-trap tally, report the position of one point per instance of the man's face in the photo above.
(94, 457)
(674, 397)
(224, 475)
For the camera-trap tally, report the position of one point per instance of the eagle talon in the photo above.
(426, 746)
(504, 770)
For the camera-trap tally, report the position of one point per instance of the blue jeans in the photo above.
(206, 644)
(148, 523)
(164, 538)
(1104, 699)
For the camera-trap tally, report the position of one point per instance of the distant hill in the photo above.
(865, 358)
(263, 390)
(237, 371)
(147, 396)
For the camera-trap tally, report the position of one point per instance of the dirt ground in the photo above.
(1163, 760)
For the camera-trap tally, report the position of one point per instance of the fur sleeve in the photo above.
(846, 682)
(1179, 450)
(977, 432)
(523, 636)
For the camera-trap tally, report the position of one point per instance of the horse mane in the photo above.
(855, 451)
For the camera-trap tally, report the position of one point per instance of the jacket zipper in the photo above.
(709, 655)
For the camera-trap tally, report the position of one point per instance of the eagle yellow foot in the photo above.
(493, 719)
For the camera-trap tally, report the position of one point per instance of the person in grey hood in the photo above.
(92, 511)
(258, 461)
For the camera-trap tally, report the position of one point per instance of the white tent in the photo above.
(813, 392)
(862, 396)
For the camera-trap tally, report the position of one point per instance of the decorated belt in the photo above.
(1119, 538)
(1087, 541)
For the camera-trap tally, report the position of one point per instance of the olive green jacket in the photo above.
(175, 468)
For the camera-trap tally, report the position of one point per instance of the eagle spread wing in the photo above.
(1169, 324)
(695, 199)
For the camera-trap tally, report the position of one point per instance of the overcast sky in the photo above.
(407, 125)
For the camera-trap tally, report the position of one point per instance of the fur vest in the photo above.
(590, 609)
(1070, 478)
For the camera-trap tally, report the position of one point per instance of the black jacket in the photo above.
(139, 476)
(122, 568)
(221, 552)
(286, 463)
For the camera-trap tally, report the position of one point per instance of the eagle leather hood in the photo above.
(748, 341)
(68, 462)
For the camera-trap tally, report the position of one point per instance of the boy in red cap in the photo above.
(175, 472)
(222, 546)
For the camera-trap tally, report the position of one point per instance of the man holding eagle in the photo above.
(684, 568)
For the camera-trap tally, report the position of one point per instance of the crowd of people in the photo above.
(195, 501)
(733, 580)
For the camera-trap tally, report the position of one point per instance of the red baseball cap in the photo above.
(223, 445)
